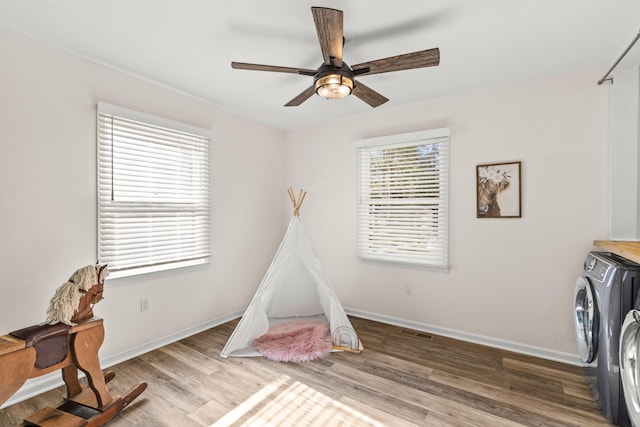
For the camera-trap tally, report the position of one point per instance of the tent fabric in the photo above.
(294, 286)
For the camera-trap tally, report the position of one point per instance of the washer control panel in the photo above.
(597, 268)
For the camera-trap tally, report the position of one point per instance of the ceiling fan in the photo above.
(334, 78)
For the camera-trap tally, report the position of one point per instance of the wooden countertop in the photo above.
(626, 249)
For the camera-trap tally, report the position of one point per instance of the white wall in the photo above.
(511, 280)
(48, 198)
(624, 154)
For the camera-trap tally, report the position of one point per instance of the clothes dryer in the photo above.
(603, 295)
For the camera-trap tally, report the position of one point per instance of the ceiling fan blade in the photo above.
(303, 96)
(407, 61)
(274, 68)
(329, 29)
(368, 95)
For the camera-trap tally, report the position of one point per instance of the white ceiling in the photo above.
(188, 45)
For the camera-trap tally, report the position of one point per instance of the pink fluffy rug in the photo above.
(295, 341)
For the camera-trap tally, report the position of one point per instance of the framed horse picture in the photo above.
(498, 190)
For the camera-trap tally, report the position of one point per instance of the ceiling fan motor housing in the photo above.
(333, 82)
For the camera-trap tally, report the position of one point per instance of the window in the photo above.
(402, 198)
(153, 192)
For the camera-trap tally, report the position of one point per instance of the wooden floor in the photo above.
(402, 378)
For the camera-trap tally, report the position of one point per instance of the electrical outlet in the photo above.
(144, 304)
(408, 289)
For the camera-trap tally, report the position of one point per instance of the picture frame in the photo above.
(498, 190)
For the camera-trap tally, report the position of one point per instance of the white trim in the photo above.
(543, 353)
(403, 138)
(115, 110)
(36, 386)
(156, 268)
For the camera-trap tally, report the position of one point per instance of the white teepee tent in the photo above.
(294, 286)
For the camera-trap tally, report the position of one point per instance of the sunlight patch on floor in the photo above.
(286, 402)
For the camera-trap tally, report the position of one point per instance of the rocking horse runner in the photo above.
(69, 340)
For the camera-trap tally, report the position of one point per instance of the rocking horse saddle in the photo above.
(49, 341)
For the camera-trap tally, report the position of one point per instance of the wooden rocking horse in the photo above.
(69, 340)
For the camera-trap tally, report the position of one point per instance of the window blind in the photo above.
(153, 192)
(402, 212)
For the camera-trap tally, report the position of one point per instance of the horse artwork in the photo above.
(498, 190)
(69, 340)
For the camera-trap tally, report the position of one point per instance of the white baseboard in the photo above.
(572, 359)
(36, 386)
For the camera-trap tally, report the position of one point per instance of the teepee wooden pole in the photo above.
(301, 199)
(291, 196)
(296, 203)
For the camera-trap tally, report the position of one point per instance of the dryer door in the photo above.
(629, 366)
(586, 319)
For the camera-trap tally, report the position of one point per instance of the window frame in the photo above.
(368, 247)
(172, 207)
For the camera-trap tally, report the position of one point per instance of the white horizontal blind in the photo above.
(153, 193)
(402, 211)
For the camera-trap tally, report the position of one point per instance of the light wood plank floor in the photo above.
(402, 378)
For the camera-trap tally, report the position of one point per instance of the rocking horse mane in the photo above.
(73, 299)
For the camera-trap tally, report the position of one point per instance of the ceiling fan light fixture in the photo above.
(333, 86)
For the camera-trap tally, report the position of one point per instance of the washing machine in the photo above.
(603, 295)
(629, 362)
